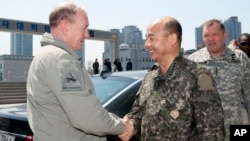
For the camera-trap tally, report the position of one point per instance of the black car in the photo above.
(116, 92)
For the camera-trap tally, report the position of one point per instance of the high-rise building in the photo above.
(233, 28)
(120, 40)
(132, 36)
(198, 37)
(21, 44)
(131, 46)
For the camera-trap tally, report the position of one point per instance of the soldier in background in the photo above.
(230, 68)
(178, 99)
(107, 65)
(118, 65)
(129, 65)
(243, 43)
(96, 66)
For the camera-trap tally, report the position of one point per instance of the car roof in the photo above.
(19, 111)
(14, 111)
(138, 74)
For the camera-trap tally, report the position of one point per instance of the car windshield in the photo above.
(109, 86)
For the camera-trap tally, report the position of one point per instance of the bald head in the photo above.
(169, 25)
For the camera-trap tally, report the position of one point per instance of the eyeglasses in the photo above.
(244, 44)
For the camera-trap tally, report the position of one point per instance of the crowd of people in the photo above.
(180, 99)
(107, 66)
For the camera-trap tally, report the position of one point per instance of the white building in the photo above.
(14, 68)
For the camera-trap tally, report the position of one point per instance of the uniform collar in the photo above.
(49, 39)
(228, 54)
(175, 64)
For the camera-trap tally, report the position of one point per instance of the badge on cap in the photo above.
(174, 114)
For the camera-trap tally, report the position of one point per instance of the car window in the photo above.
(109, 86)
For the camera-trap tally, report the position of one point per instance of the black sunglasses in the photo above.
(244, 44)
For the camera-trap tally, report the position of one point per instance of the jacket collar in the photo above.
(49, 39)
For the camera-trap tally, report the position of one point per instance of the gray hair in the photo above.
(63, 11)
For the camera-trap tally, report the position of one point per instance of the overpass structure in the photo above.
(11, 25)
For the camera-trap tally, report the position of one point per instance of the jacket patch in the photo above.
(71, 83)
(205, 82)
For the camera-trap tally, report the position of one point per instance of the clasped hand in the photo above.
(128, 131)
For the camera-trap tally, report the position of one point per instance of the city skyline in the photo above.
(21, 44)
(110, 14)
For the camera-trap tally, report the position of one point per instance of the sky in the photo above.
(109, 14)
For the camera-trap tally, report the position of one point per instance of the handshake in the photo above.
(129, 130)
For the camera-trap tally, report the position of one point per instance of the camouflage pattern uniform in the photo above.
(181, 105)
(231, 72)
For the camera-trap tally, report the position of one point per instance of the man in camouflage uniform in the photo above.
(178, 99)
(231, 71)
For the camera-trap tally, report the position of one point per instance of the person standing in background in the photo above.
(129, 65)
(61, 100)
(230, 69)
(119, 65)
(107, 63)
(115, 65)
(243, 43)
(96, 66)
